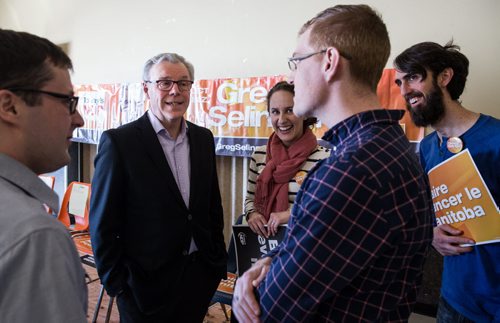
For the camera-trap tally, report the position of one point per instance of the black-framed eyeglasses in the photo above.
(70, 100)
(293, 61)
(166, 85)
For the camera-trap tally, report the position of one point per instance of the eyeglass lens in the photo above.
(165, 85)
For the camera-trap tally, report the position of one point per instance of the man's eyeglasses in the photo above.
(293, 61)
(166, 85)
(70, 100)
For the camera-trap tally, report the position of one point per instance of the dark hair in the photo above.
(25, 62)
(285, 86)
(359, 33)
(431, 56)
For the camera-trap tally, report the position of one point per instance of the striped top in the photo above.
(257, 164)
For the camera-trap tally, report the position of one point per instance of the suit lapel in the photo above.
(196, 155)
(155, 151)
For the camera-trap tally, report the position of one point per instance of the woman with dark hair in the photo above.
(278, 169)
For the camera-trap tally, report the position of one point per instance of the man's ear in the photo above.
(145, 89)
(8, 109)
(332, 58)
(445, 77)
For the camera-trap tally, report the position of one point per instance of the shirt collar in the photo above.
(159, 129)
(338, 133)
(24, 178)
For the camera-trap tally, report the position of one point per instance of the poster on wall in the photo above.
(234, 109)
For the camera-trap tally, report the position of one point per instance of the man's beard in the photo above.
(431, 111)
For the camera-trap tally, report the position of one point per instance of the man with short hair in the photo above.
(41, 277)
(361, 224)
(432, 78)
(156, 219)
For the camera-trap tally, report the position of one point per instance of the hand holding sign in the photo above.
(448, 241)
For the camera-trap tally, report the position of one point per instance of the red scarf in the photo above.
(271, 194)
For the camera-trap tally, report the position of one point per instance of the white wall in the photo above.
(110, 40)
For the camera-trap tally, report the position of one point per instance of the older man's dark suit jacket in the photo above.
(139, 224)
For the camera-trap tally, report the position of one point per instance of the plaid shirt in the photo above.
(359, 231)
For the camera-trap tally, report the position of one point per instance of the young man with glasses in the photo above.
(39, 264)
(361, 224)
(156, 217)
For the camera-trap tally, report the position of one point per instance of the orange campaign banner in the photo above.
(99, 107)
(462, 199)
(234, 109)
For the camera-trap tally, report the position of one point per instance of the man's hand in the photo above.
(447, 241)
(245, 305)
(257, 223)
(276, 219)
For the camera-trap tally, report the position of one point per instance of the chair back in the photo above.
(74, 212)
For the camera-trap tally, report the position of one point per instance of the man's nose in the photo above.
(77, 120)
(175, 89)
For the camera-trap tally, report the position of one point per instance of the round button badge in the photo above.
(454, 145)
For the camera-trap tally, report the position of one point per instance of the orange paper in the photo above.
(462, 199)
